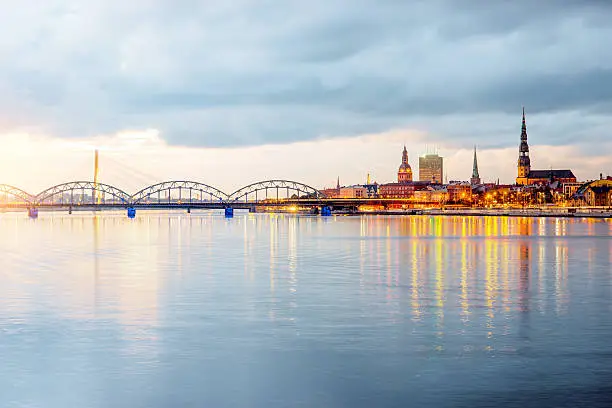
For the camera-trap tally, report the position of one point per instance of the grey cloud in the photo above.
(252, 72)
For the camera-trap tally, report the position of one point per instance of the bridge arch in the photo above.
(191, 192)
(98, 191)
(280, 189)
(7, 190)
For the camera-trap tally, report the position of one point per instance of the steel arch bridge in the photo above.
(175, 193)
(281, 190)
(15, 192)
(195, 193)
(50, 195)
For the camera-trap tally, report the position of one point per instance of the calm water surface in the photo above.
(179, 310)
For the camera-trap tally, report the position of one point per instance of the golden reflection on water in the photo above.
(439, 286)
(416, 285)
(446, 273)
(491, 260)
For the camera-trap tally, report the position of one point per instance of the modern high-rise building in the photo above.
(431, 168)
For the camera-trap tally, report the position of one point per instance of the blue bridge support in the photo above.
(33, 212)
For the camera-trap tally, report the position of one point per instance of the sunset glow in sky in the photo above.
(229, 94)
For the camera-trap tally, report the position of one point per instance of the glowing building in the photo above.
(404, 187)
(404, 174)
(526, 176)
(431, 168)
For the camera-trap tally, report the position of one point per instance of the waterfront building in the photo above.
(475, 180)
(527, 176)
(431, 194)
(596, 193)
(459, 192)
(401, 190)
(332, 192)
(353, 192)
(404, 173)
(431, 168)
(372, 188)
(404, 188)
(396, 190)
(569, 189)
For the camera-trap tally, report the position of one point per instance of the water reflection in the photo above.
(165, 294)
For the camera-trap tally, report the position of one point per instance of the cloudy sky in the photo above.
(229, 92)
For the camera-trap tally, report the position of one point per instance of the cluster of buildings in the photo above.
(557, 186)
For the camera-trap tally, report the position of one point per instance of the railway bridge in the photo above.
(173, 194)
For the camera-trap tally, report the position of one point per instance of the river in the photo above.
(277, 310)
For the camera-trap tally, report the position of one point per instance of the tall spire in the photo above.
(475, 175)
(524, 162)
(524, 128)
(338, 184)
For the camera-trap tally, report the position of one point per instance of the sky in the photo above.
(229, 93)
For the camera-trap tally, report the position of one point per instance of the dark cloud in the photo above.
(252, 72)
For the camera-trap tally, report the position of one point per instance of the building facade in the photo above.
(431, 168)
(353, 192)
(596, 193)
(526, 176)
(396, 190)
(569, 189)
(332, 192)
(459, 192)
(431, 194)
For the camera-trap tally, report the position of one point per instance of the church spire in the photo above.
(475, 176)
(524, 128)
(338, 184)
(524, 163)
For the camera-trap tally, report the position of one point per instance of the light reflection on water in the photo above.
(172, 309)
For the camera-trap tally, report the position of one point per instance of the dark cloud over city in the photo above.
(256, 72)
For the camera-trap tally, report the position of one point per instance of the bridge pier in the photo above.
(188, 210)
(131, 212)
(70, 210)
(229, 212)
(33, 212)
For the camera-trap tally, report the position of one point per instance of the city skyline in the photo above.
(322, 79)
(124, 161)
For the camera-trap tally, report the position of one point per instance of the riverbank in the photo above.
(484, 212)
